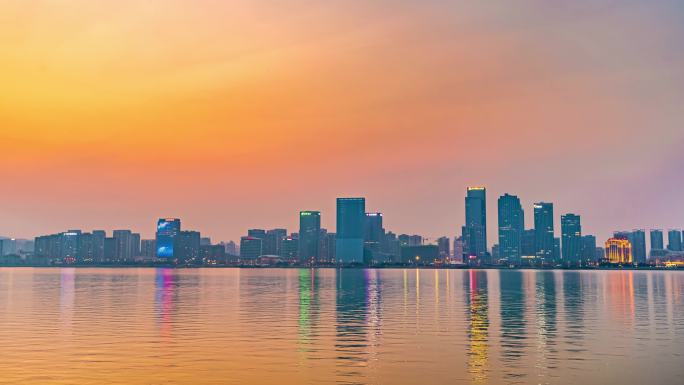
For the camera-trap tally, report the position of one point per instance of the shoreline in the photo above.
(395, 267)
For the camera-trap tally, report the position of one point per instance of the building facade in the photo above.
(351, 213)
(571, 239)
(511, 227)
(544, 231)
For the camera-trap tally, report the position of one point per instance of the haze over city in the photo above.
(236, 115)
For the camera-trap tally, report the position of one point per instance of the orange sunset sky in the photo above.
(237, 114)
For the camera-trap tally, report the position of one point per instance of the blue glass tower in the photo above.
(167, 231)
(351, 213)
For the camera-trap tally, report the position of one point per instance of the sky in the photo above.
(236, 115)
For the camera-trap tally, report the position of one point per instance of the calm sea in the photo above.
(327, 326)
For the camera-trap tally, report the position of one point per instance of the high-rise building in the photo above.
(674, 240)
(443, 246)
(98, 238)
(188, 245)
(571, 238)
(475, 229)
(657, 240)
(85, 247)
(458, 249)
(349, 241)
(544, 230)
(167, 231)
(373, 236)
(250, 248)
(273, 241)
(309, 236)
(638, 240)
(148, 248)
(511, 227)
(135, 244)
(618, 251)
(331, 241)
(589, 249)
(290, 249)
(231, 248)
(372, 228)
(69, 245)
(109, 249)
(125, 246)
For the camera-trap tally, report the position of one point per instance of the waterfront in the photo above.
(351, 326)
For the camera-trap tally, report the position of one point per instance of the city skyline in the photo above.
(223, 114)
(360, 237)
(492, 214)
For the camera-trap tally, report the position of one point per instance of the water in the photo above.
(287, 326)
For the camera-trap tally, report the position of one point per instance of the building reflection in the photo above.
(477, 305)
(308, 307)
(513, 322)
(165, 293)
(546, 322)
(66, 294)
(356, 296)
(573, 295)
(621, 296)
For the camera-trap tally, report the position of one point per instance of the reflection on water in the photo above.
(513, 325)
(478, 324)
(164, 299)
(328, 326)
(352, 324)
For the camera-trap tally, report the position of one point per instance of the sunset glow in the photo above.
(116, 113)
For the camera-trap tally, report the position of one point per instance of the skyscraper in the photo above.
(373, 236)
(638, 240)
(571, 238)
(443, 245)
(511, 227)
(309, 236)
(543, 230)
(589, 249)
(372, 227)
(349, 241)
(167, 230)
(657, 241)
(674, 240)
(475, 229)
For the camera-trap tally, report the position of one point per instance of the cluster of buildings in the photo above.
(360, 238)
(125, 246)
(540, 246)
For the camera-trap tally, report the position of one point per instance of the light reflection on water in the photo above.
(355, 326)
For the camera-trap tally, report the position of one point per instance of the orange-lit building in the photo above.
(618, 250)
